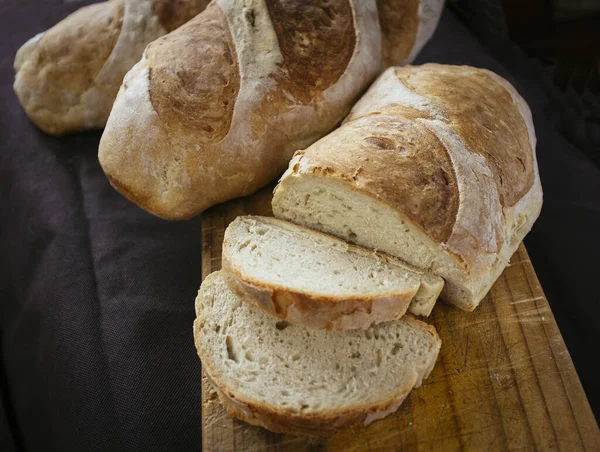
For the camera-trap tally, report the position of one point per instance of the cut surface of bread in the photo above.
(317, 280)
(434, 165)
(290, 379)
(328, 205)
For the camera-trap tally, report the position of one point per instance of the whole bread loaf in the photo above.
(290, 379)
(319, 281)
(215, 110)
(67, 78)
(435, 165)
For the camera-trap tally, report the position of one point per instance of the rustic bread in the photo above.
(67, 78)
(435, 165)
(406, 26)
(290, 379)
(215, 110)
(317, 280)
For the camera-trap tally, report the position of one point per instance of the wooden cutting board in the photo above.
(504, 379)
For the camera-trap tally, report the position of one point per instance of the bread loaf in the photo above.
(67, 78)
(435, 165)
(292, 380)
(319, 281)
(215, 110)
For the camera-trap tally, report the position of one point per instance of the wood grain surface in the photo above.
(504, 379)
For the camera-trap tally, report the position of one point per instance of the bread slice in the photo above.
(317, 280)
(289, 379)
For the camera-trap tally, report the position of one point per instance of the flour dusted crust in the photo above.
(67, 78)
(179, 155)
(483, 113)
(429, 14)
(479, 191)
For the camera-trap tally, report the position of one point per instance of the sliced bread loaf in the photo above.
(289, 379)
(317, 280)
(434, 165)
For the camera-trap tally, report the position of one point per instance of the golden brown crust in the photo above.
(180, 153)
(424, 185)
(174, 13)
(68, 77)
(323, 313)
(195, 87)
(72, 52)
(317, 40)
(399, 22)
(296, 424)
(485, 116)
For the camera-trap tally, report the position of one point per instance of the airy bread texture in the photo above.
(435, 165)
(68, 77)
(289, 379)
(215, 110)
(316, 280)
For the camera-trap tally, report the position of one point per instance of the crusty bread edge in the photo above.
(319, 312)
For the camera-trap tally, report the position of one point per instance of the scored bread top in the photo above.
(308, 381)
(458, 148)
(196, 87)
(230, 117)
(316, 40)
(485, 116)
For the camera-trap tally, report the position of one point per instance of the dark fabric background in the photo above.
(97, 295)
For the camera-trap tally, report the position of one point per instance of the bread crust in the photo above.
(424, 187)
(328, 27)
(175, 172)
(262, 415)
(54, 69)
(399, 20)
(319, 312)
(68, 77)
(174, 13)
(194, 90)
(483, 113)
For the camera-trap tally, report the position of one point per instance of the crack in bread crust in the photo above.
(317, 40)
(195, 88)
(483, 113)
